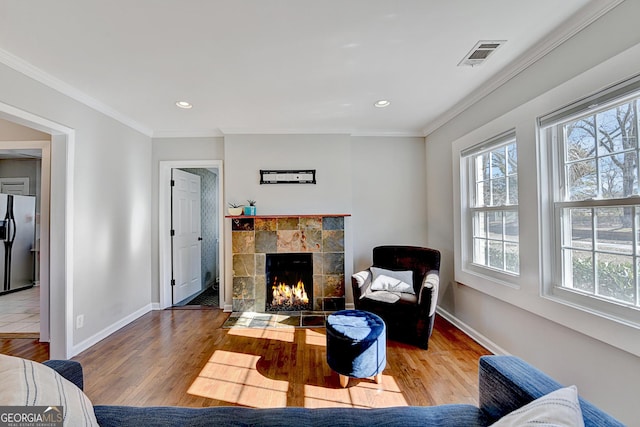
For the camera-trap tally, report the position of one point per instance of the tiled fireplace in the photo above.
(253, 237)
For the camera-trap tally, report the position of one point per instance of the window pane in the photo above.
(581, 228)
(494, 220)
(499, 192)
(498, 163)
(482, 167)
(512, 257)
(615, 277)
(637, 230)
(479, 225)
(580, 139)
(582, 270)
(582, 180)
(496, 255)
(513, 190)
(511, 226)
(480, 251)
(613, 230)
(512, 159)
(483, 194)
(618, 175)
(616, 129)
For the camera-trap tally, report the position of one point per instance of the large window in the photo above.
(595, 206)
(492, 205)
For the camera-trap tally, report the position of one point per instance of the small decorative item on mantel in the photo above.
(251, 209)
(235, 209)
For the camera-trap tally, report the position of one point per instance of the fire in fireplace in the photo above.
(289, 282)
(285, 295)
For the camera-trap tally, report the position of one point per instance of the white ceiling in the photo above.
(271, 66)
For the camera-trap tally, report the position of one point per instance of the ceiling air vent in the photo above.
(480, 52)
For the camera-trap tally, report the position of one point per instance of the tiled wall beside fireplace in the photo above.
(254, 237)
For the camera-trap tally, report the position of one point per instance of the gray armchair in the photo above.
(409, 316)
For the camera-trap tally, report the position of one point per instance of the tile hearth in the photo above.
(255, 237)
(279, 320)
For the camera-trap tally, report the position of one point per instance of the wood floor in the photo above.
(28, 348)
(183, 357)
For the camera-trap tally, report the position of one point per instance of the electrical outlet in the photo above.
(80, 321)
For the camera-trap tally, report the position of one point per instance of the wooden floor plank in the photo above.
(185, 358)
(27, 348)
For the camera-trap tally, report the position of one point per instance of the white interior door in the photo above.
(187, 239)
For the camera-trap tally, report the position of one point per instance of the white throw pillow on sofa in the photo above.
(28, 383)
(392, 281)
(560, 408)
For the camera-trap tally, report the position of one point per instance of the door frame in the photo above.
(56, 262)
(164, 224)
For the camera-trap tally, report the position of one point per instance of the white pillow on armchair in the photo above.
(365, 279)
(392, 281)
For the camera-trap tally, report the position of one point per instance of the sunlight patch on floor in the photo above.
(315, 338)
(284, 335)
(234, 378)
(365, 394)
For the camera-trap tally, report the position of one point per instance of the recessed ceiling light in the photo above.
(184, 104)
(382, 103)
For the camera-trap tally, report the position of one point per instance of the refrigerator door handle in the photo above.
(11, 235)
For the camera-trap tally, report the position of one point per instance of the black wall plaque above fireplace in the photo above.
(289, 282)
(307, 176)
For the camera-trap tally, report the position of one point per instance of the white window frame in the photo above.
(552, 177)
(468, 208)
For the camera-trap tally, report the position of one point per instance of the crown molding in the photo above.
(203, 133)
(576, 23)
(35, 73)
(283, 131)
(350, 132)
(395, 134)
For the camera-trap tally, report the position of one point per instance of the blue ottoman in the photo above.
(356, 345)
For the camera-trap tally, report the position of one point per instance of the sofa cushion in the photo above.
(508, 383)
(406, 416)
(559, 408)
(28, 383)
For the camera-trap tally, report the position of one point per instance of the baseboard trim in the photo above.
(472, 333)
(228, 308)
(155, 306)
(80, 347)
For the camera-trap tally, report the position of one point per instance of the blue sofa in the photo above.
(506, 383)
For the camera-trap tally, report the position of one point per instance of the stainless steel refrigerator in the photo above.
(17, 237)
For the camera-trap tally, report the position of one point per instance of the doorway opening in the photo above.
(190, 244)
(21, 183)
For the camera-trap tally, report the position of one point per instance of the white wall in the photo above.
(111, 274)
(571, 345)
(330, 155)
(389, 201)
(10, 131)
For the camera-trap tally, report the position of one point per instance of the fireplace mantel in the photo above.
(287, 216)
(253, 237)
